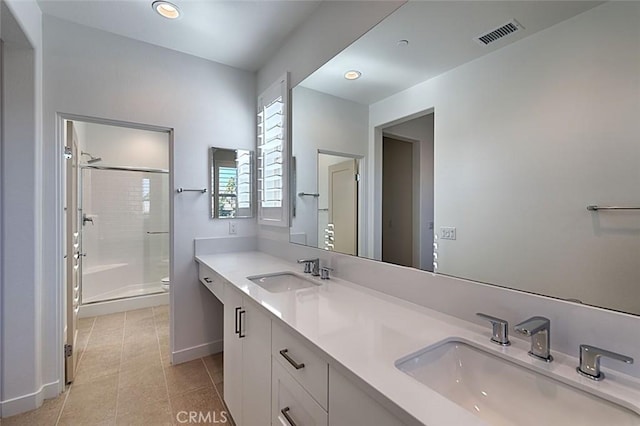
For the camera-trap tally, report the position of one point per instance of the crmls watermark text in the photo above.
(206, 417)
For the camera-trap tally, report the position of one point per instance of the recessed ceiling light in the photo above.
(352, 75)
(403, 43)
(166, 9)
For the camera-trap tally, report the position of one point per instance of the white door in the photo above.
(256, 362)
(343, 206)
(233, 352)
(73, 255)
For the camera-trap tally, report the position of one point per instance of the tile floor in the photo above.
(124, 378)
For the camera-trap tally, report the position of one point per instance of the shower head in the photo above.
(92, 159)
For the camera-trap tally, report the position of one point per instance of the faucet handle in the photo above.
(324, 273)
(590, 361)
(500, 329)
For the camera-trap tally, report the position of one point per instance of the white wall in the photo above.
(525, 138)
(332, 27)
(123, 146)
(327, 123)
(419, 131)
(23, 307)
(97, 74)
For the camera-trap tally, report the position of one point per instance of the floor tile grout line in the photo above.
(68, 391)
(86, 345)
(63, 405)
(124, 326)
(213, 383)
(164, 373)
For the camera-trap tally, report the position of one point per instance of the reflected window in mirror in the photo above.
(231, 183)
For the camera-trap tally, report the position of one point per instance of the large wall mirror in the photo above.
(231, 174)
(493, 141)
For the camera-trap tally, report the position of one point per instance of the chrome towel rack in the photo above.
(594, 208)
(181, 190)
(307, 194)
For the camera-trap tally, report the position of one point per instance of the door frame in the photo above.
(60, 264)
(361, 163)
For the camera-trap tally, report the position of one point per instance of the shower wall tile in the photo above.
(125, 206)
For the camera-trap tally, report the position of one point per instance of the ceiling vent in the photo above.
(498, 33)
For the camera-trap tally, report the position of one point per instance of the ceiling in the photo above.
(242, 34)
(440, 35)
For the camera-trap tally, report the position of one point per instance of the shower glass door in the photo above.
(125, 233)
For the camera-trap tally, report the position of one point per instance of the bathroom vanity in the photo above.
(329, 352)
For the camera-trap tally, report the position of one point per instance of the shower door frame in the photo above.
(84, 167)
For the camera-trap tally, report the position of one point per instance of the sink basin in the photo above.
(503, 393)
(280, 282)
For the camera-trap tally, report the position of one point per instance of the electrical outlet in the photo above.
(233, 228)
(447, 233)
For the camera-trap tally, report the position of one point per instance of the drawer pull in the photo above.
(207, 280)
(240, 335)
(285, 413)
(297, 366)
(237, 328)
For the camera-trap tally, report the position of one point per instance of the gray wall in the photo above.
(97, 74)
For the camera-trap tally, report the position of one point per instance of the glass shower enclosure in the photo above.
(125, 232)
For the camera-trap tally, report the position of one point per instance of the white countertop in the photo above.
(367, 332)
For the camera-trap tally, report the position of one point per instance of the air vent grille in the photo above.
(498, 33)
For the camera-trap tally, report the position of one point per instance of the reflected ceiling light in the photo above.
(352, 75)
(166, 9)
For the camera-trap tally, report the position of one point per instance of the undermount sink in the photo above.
(503, 393)
(281, 282)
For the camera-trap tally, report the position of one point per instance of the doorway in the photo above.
(406, 234)
(398, 191)
(116, 222)
(338, 189)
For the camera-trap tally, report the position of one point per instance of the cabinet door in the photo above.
(350, 406)
(292, 404)
(232, 353)
(256, 362)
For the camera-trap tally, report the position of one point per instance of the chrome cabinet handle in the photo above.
(295, 365)
(285, 413)
(207, 280)
(237, 328)
(240, 335)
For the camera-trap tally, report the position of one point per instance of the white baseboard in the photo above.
(195, 352)
(122, 305)
(29, 402)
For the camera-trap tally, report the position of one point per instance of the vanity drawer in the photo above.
(211, 280)
(291, 404)
(302, 362)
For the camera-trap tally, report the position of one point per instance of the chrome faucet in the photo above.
(311, 266)
(590, 361)
(539, 329)
(500, 332)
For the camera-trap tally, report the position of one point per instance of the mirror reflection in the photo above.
(231, 172)
(482, 132)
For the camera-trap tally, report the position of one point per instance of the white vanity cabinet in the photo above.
(351, 406)
(247, 359)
